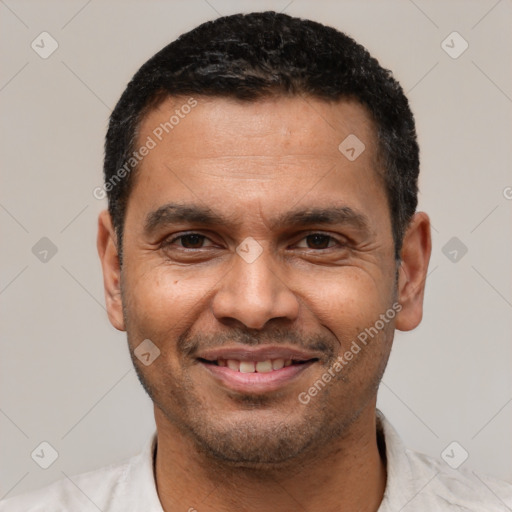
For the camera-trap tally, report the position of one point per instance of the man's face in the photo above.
(262, 282)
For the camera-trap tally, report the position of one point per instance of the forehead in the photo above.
(238, 156)
(275, 126)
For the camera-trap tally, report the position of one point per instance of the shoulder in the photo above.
(457, 489)
(128, 485)
(418, 482)
(84, 492)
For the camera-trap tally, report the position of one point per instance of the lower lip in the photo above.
(256, 382)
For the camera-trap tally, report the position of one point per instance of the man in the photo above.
(260, 247)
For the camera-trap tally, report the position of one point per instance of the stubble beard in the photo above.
(253, 443)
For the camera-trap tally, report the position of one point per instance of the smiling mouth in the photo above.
(266, 366)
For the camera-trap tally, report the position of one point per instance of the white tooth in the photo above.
(221, 362)
(247, 367)
(277, 364)
(264, 366)
(288, 362)
(233, 365)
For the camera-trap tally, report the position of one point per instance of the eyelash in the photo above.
(184, 235)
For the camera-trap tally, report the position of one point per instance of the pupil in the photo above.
(319, 240)
(194, 239)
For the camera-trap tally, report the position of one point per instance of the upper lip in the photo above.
(260, 353)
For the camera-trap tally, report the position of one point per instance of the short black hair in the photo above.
(262, 54)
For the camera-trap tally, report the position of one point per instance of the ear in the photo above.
(107, 249)
(415, 256)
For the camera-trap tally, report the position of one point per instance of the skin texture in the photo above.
(220, 449)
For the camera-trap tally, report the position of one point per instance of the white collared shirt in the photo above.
(415, 483)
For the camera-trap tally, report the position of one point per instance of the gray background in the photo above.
(66, 376)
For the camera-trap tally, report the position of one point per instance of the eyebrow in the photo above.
(174, 213)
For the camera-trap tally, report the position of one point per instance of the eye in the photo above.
(318, 241)
(188, 241)
(191, 241)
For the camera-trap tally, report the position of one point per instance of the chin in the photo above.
(252, 440)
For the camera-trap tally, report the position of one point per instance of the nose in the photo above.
(253, 293)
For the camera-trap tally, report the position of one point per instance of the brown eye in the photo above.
(187, 241)
(193, 241)
(317, 241)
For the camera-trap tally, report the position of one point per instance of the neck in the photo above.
(348, 474)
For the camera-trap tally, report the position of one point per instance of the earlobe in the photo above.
(415, 256)
(107, 250)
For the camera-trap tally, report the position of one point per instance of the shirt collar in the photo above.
(139, 478)
(405, 479)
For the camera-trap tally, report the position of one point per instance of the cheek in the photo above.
(348, 302)
(159, 300)
(160, 306)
